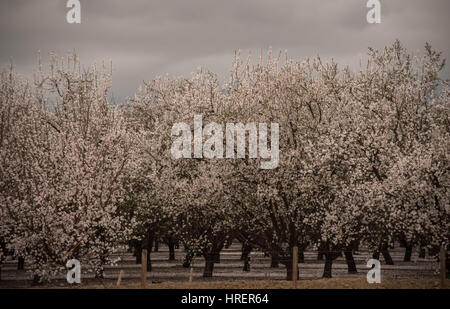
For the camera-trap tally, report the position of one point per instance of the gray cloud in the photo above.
(147, 38)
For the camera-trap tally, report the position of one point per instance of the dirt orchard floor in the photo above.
(334, 283)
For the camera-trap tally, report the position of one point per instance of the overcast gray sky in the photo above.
(146, 38)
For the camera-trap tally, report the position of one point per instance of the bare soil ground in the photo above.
(334, 283)
(419, 273)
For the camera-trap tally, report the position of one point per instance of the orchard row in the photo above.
(363, 158)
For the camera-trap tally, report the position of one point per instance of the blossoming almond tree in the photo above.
(278, 205)
(65, 154)
(398, 117)
(186, 192)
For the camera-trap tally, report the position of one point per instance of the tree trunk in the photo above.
(422, 253)
(246, 264)
(138, 252)
(243, 252)
(246, 256)
(216, 257)
(134, 243)
(171, 245)
(408, 253)
(447, 266)
(149, 262)
(350, 261)
(3, 248)
(320, 252)
(100, 268)
(187, 260)
(376, 255)
(387, 257)
(156, 246)
(328, 265)
(301, 255)
(289, 268)
(355, 246)
(275, 259)
(228, 242)
(130, 246)
(148, 245)
(21, 263)
(246, 249)
(218, 248)
(209, 266)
